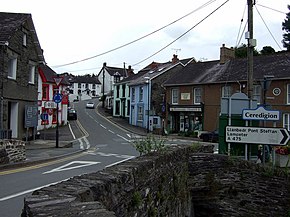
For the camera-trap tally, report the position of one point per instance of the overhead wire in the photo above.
(241, 27)
(138, 39)
(268, 27)
(182, 34)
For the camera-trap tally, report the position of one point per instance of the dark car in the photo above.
(72, 114)
(210, 136)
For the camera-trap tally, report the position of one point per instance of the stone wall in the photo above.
(176, 183)
(12, 151)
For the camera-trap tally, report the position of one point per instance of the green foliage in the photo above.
(136, 199)
(286, 29)
(149, 144)
(241, 52)
(267, 50)
(195, 147)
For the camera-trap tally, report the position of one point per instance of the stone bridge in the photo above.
(179, 182)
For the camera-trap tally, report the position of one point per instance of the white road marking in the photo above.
(123, 138)
(103, 126)
(72, 133)
(81, 143)
(118, 162)
(67, 166)
(111, 131)
(87, 142)
(29, 191)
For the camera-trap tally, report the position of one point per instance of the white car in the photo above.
(90, 105)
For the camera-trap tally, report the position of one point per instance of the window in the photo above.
(24, 39)
(45, 92)
(123, 90)
(128, 107)
(174, 96)
(286, 121)
(197, 95)
(54, 116)
(31, 74)
(140, 113)
(133, 94)
(118, 91)
(226, 91)
(87, 85)
(94, 86)
(257, 93)
(79, 85)
(141, 94)
(12, 67)
(288, 93)
(117, 107)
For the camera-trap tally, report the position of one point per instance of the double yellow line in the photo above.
(37, 166)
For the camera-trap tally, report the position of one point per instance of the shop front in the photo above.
(185, 118)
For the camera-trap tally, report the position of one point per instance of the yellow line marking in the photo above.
(22, 169)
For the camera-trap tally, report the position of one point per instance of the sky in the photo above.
(84, 31)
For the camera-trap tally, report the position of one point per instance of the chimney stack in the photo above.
(226, 54)
(175, 59)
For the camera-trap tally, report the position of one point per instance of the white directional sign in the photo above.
(257, 135)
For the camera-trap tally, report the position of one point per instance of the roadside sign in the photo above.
(49, 105)
(44, 116)
(57, 80)
(257, 135)
(57, 98)
(261, 114)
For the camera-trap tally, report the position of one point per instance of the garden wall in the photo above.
(12, 151)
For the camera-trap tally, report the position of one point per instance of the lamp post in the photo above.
(148, 101)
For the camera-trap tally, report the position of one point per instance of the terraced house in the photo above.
(20, 55)
(194, 94)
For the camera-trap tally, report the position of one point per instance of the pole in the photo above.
(250, 49)
(57, 133)
(103, 101)
(148, 130)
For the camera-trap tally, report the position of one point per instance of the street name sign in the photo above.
(257, 135)
(261, 114)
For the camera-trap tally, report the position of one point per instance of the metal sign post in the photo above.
(57, 99)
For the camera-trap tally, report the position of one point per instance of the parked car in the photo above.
(72, 114)
(90, 105)
(210, 136)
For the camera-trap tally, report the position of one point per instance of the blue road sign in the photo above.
(57, 98)
(44, 116)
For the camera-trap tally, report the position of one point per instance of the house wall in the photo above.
(18, 91)
(121, 101)
(141, 121)
(109, 82)
(84, 95)
(211, 98)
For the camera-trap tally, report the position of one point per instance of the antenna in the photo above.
(176, 50)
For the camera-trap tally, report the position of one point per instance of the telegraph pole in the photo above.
(103, 101)
(250, 49)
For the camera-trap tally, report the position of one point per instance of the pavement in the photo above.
(44, 149)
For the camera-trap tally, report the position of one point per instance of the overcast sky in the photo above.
(73, 30)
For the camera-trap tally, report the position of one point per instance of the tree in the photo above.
(286, 28)
(241, 51)
(267, 50)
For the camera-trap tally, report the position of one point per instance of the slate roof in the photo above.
(85, 79)
(113, 70)
(50, 74)
(13, 22)
(277, 64)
